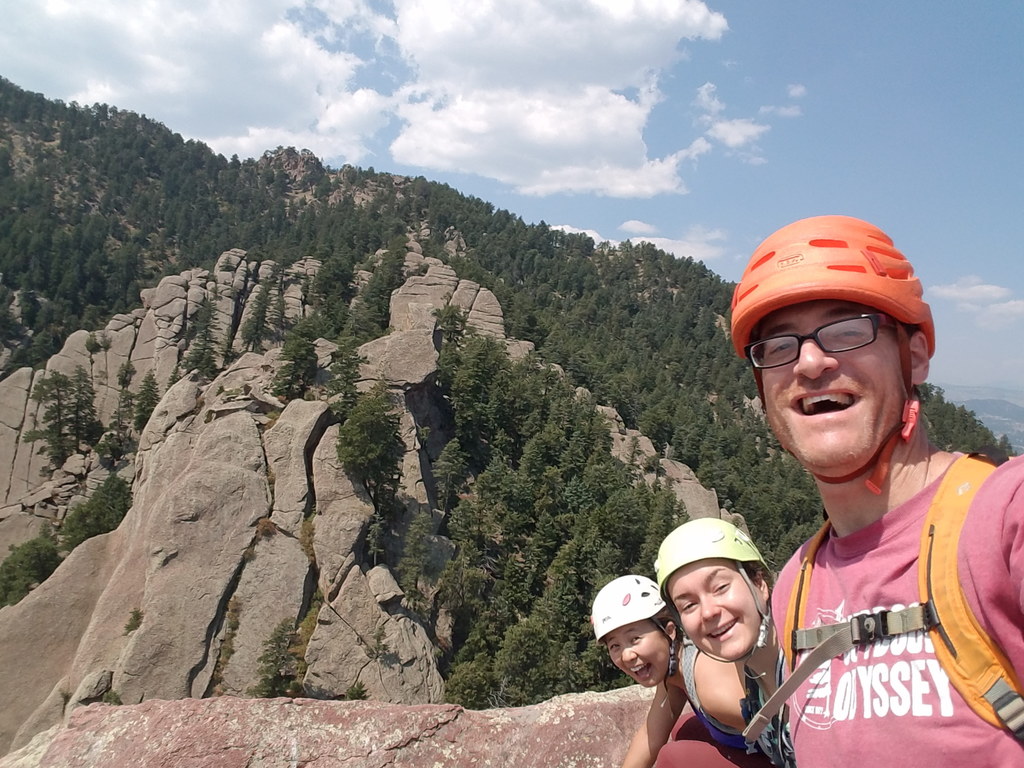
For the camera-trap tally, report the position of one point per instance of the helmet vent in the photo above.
(891, 252)
(741, 296)
(821, 243)
(847, 268)
(761, 262)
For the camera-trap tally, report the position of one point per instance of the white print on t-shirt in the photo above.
(893, 677)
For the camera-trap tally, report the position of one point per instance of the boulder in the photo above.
(486, 316)
(414, 303)
(357, 641)
(289, 445)
(402, 359)
(588, 730)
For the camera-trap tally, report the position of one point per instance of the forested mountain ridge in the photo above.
(96, 202)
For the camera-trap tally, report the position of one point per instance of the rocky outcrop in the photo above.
(634, 449)
(243, 519)
(572, 731)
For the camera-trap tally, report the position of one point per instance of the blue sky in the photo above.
(700, 126)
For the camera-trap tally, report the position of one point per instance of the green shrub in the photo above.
(102, 513)
(134, 622)
(28, 564)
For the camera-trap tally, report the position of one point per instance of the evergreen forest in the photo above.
(97, 202)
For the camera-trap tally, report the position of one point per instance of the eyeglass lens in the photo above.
(839, 336)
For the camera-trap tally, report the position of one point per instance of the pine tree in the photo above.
(413, 563)
(54, 393)
(254, 329)
(276, 664)
(145, 401)
(344, 371)
(101, 513)
(202, 354)
(27, 564)
(298, 371)
(117, 440)
(85, 427)
(369, 446)
(450, 470)
(69, 414)
(451, 321)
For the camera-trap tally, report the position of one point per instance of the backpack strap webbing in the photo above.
(834, 640)
(801, 587)
(976, 666)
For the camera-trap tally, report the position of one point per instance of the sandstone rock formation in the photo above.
(574, 731)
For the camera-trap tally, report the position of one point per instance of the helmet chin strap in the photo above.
(882, 458)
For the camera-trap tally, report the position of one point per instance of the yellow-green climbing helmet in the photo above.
(707, 537)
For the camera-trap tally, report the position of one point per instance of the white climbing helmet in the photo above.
(623, 601)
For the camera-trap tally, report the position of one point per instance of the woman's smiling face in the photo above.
(717, 609)
(641, 650)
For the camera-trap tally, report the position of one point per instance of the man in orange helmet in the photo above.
(831, 317)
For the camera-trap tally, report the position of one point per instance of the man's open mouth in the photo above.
(817, 404)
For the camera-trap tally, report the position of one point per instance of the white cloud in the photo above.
(790, 111)
(970, 291)
(736, 133)
(699, 243)
(1000, 315)
(592, 233)
(707, 100)
(796, 91)
(634, 227)
(545, 97)
(490, 43)
(990, 305)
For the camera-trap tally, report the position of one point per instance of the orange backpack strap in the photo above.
(801, 587)
(976, 666)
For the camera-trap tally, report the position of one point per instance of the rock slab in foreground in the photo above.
(571, 731)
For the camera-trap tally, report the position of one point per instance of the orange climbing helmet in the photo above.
(828, 257)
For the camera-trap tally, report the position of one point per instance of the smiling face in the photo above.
(833, 410)
(717, 609)
(641, 650)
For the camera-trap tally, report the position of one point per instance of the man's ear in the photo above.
(919, 361)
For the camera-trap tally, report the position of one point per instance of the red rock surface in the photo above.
(569, 731)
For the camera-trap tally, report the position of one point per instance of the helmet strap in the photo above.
(673, 647)
(673, 657)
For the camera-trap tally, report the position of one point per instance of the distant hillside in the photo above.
(1001, 410)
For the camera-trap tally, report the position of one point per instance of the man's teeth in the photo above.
(819, 403)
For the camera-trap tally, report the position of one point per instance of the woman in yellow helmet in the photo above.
(712, 574)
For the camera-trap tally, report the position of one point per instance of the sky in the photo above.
(698, 126)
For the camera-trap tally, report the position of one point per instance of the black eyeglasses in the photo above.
(837, 336)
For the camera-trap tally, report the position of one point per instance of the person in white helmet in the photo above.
(712, 574)
(632, 621)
